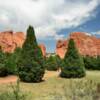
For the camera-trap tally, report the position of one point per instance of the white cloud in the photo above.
(47, 16)
(88, 34)
(96, 33)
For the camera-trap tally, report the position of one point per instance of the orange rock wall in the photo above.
(43, 48)
(86, 44)
(10, 40)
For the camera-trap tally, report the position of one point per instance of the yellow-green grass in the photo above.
(55, 88)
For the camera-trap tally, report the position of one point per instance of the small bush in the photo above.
(12, 60)
(3, 68)
(53, 63)
(92, 63)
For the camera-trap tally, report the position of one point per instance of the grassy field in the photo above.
(56, 88)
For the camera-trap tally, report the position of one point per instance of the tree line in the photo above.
(30, 65)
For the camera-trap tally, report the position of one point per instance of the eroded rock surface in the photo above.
(86, 44)
(10, 40)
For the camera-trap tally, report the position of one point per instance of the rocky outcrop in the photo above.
(10, 40)
(43, 48)
(86, 44)
(61, 47)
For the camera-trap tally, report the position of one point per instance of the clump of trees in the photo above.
(73, 65)
(92, 63)
(31, 62)
(27, 62)
(53, 63)
(3, 68)
(8, 62)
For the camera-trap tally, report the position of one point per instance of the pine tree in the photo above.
(12, 60)
(31, 63)
(73, 66)
(3, 68)
(92, 63)
(51, 63)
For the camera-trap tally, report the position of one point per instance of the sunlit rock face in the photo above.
(10, 40)
(86, 44)
(61, 47)
(43, 48)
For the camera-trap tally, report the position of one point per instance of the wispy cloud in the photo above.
(47, 16)
(96, 33)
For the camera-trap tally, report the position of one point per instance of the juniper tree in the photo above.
(12, 60)
(3, 68)
(31, 63)
(73, 66)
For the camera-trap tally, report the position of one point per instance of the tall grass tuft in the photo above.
(15, 94)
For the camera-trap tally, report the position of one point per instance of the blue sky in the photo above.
(52, 19)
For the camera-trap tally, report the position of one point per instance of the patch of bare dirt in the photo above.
(49, 74)
(8, 79)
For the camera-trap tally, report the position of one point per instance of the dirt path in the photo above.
(49, 74)
(8, 79)
(11, 79)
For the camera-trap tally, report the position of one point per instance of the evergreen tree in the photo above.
(92, 63)
(51, 63)
(98, 61)
(31, 63)
(3, 68)
(12, 60)
(73, 66)
(59, 61)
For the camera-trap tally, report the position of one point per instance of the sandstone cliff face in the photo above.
(86, 44)
(10, 40)
(43, 48)
(61, 48)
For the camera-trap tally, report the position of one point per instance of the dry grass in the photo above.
(56, 88)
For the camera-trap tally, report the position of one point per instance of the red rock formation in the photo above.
(61, 48)
(10, 40)
(86, 44)
(43, 48)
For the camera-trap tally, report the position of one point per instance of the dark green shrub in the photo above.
(31, 74)
(31, 62)
(11, 61)
(3, 68)
(51, 63)
(92, 63)
(98, 61)
(59, 61)
(73, 65)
